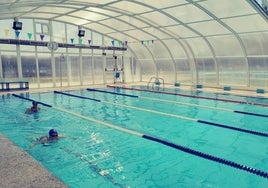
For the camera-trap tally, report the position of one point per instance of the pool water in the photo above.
(94, 155)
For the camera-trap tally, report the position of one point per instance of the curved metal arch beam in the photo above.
(231, 30)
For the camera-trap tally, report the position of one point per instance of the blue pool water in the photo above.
(95, 155)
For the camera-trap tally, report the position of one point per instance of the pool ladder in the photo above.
(155, 83)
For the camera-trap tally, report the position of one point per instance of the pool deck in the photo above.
(18, 169)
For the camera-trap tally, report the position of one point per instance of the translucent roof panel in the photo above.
(226, 46)
(140, 51)
(99, 28)
(199, 47)
(163, 4)
(157, 33)
(254, 43)
(188, 13)
(158, 19)
(210, 28)
(228, 8)
(75, 20)
(117, 24)
(181, 31)
(241, 24)
(133, 21)
(103, 11)
(159, 50)
(88, 15)
(175, 48)
(139, 35)
(130, 7)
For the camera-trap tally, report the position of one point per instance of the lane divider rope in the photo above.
(253, 132)
(192, 96)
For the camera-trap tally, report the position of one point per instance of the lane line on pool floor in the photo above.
(253, 132)
(161, 141)
(183, 103)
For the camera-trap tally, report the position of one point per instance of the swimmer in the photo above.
(46, 140)
(33, 109)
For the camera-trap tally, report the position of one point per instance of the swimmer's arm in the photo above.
(41, 140)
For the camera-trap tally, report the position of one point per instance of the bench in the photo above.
(7, 86)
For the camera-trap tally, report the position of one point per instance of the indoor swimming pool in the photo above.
(131, 137)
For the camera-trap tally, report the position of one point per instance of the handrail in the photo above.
(157, 82)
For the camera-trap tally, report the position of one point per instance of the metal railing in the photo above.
(155, 82)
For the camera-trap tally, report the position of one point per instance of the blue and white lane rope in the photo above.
(182, 103)
(164, 142)
(248, 131)
(192, 96)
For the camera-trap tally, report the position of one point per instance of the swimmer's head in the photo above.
(53, 133)
(34, 103)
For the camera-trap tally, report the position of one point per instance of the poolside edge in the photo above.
(18, 169)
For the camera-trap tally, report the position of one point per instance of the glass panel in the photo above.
(258, 72)
(206, 71)
(29, 71)
(229, 8)
(87, 70)
(132, 20)
(175, 48)
(72, 34)
(130, 7)
(98, 27)
(88, 15)
(157, 33)
(140, 51)
(6, 27)
(241, 24)
(45, 70)
(165, 70)
(209, 28)
(98, 70)
(139, 35)
(103, 11)
(70, 19)
(158, 49)
(38, 15)
(156, 18)
(226, 46)
(27, 29)
(181, 31)
(163, 4)
(147, 69)
(116, 24)
(75, 69)
(232, 71)
(59, 34)
(256, 43)
(182, 13)
(61, 70)
(55, 9)
(97, 39)
(184, 74)
(9, 66)
(199, 47)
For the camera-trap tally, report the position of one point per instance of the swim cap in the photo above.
(53, 133)
(34, 103)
